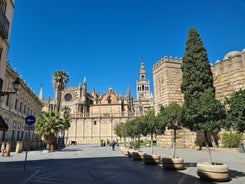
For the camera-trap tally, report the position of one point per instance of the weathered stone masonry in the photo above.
(229, 76)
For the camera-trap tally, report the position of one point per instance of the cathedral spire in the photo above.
(129, 92)
(41, 93)
(84, 81)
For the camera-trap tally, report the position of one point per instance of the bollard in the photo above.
(19, 146)
(241, 148)
(8, 148)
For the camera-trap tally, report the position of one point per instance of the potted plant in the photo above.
(151, 127)
(48, 125)
(201, 111)
(137, 125)
(213, 171)
(171, 117)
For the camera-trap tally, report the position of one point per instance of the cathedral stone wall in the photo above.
(228, 74)
(93, 130)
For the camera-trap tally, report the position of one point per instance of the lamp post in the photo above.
(16, 86)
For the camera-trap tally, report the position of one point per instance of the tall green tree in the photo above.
(201, 111)
(60, 79)
(48, 125)
(236, 111)
(196, 72)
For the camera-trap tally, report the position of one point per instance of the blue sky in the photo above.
(105, 40)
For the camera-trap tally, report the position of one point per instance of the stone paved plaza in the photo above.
(85, 164)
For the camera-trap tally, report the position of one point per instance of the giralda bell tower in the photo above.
(143, 85)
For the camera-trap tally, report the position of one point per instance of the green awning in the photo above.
(3, 125)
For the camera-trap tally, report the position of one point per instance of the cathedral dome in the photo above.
(232, 54)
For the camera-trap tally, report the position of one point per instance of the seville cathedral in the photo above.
(94, 115)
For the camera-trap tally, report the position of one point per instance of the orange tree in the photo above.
(236, 111)
(151, 125)
(171, 117)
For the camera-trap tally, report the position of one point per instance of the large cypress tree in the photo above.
(201, 111)
(197, 75)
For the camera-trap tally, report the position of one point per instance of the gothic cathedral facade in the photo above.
(94, 115)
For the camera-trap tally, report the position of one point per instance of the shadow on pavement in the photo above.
(236, 174)
(102, 170)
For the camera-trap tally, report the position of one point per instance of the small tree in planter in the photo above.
(48, 125)
(171, 116)
(138, 130)
(151, 127)
(201, 111)
(120, 131)
(131, 130)
(139, 125)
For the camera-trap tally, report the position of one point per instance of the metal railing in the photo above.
(105, 115)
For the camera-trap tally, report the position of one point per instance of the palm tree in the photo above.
(67, 121)
(48, 125)
(60, 79)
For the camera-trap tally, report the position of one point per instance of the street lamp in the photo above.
(16, 86)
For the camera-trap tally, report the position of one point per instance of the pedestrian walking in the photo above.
(3, 148)
(113, 144)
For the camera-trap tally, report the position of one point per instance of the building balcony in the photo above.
(4, 25)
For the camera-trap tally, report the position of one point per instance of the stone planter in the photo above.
(171, 163)
(152, 159)
(130, 151)
(124, 151)
(213, 172)
(138, 155)
(52, 147)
